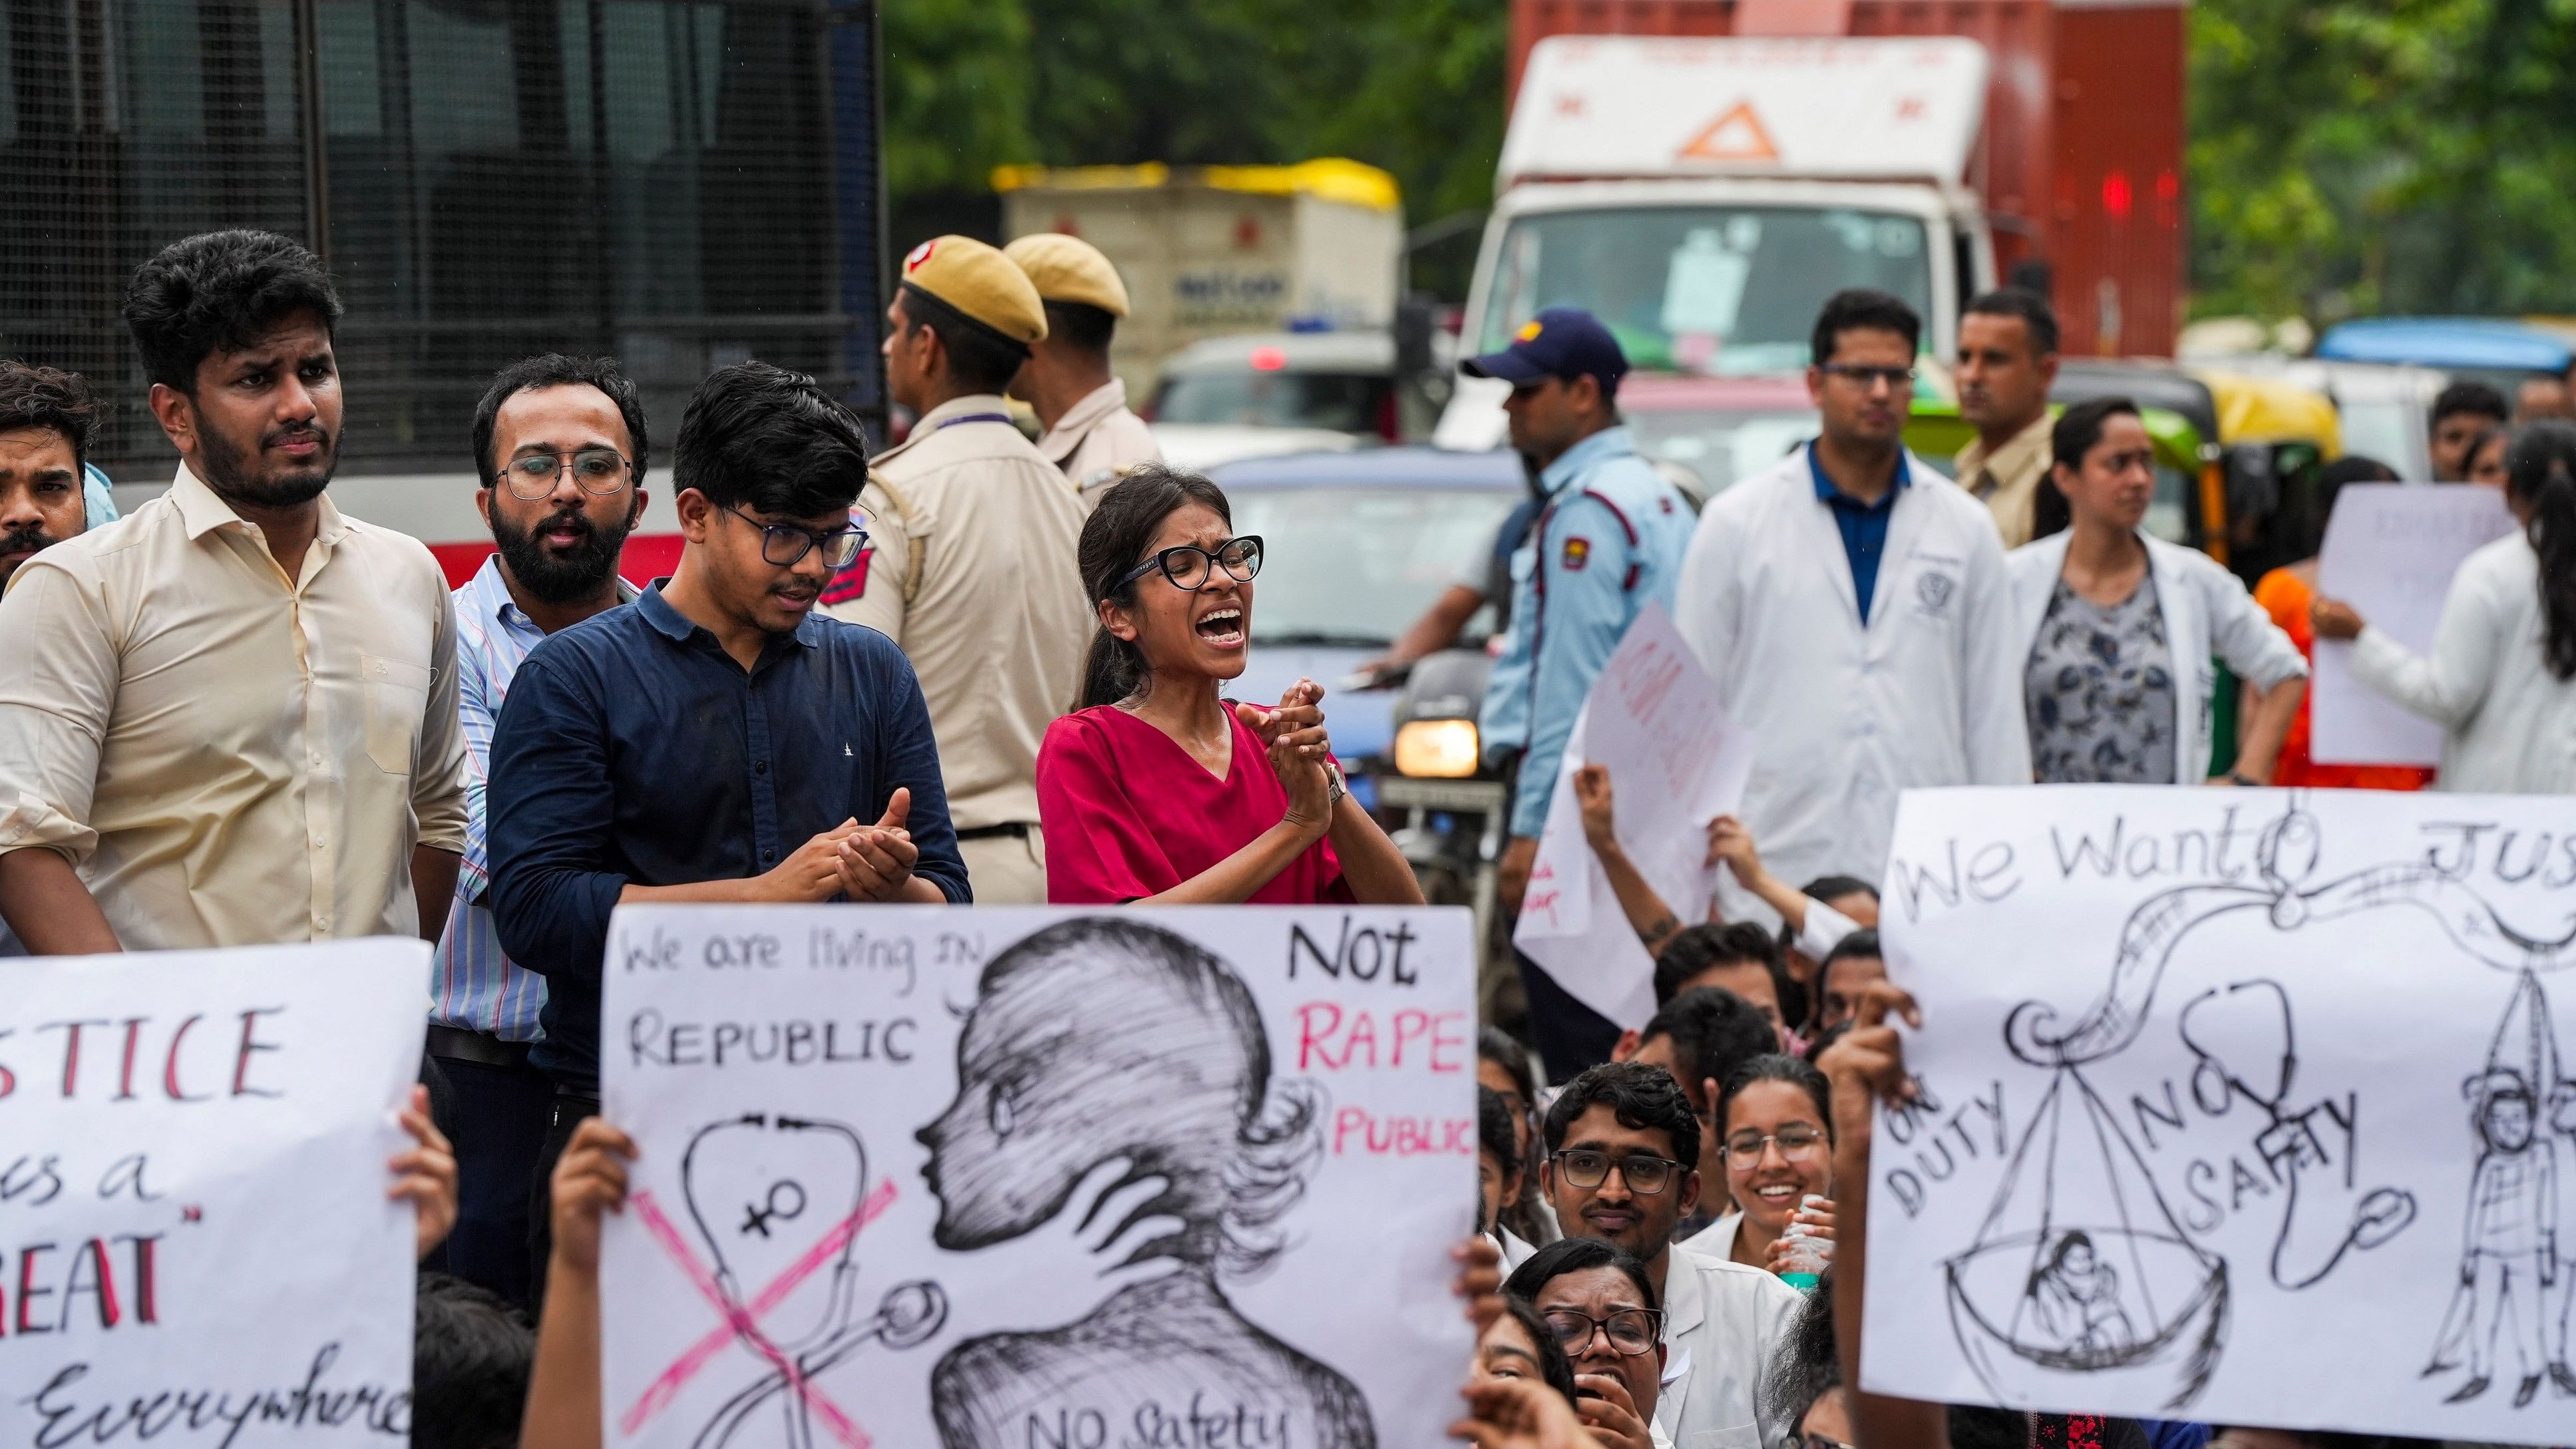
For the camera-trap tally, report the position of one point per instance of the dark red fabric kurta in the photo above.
(1128, 814)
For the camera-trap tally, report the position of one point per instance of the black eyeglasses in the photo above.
(783, 544)
(532, 476)
(1631, 1331)
(1897, 378)
(1645, 1176)
(1188, 566)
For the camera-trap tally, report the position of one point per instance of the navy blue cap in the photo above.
(1561, 342)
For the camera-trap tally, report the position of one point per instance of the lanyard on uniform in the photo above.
(970, 418)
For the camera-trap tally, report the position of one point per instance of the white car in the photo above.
(1270, 393)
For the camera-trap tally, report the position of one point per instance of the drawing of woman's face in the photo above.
(1065, 1065)
(2078, 1257)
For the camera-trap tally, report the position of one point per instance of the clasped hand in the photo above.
(1293, 735)
(863, 862)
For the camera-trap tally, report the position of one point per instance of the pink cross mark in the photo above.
(743, 1323)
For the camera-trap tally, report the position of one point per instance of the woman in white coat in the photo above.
(2501, 678)
(2118, 627)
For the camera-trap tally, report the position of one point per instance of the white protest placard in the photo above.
(1676, 762)
(883, 1148)
(196, 1248)
(2241, 1107)
(2390, 551)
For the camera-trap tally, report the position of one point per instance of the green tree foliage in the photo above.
(2383, 156)
(1415, 87)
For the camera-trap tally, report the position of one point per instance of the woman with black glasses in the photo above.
(1160, 789)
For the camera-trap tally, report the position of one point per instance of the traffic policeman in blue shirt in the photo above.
(1609, 539)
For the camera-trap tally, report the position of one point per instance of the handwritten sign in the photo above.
(1676, 762)
(1048, 1179)
(195, 1244)
(2390, 552)
(2205, 1070)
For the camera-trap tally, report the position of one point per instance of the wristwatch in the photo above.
(1334, 784)
(2239, 777)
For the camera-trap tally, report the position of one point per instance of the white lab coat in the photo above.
(2206, 611)
(2508, 724)
(1722, 1323)
(1845, 716)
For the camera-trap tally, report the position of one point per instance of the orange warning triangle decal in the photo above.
(1737, 135)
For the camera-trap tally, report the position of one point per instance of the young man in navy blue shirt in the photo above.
(719, 740)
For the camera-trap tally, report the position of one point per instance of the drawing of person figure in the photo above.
(2077, 1296)
(1104, 1038)
(2509, 1262)
(2562, 1117)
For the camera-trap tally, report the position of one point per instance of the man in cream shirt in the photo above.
(2007, 363)
(1082, 405)
(230, 718)
(971, 565)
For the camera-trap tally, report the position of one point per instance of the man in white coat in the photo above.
(1853, 608)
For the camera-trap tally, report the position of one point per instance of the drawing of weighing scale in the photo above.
(2064, 1311)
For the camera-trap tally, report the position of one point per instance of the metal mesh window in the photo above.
(681, 184)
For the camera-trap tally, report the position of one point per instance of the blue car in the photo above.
(1357, 545)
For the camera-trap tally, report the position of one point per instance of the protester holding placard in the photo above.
(2285, 593)
(2119, 626)
(2501, 676)
(716, 740)
(1156, 790)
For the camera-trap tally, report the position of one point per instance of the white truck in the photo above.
(1703, 197)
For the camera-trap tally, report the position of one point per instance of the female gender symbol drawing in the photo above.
(2037, 1297)
(1100, 1038)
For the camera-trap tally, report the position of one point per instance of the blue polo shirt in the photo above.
(1863, 525)
(632, 748)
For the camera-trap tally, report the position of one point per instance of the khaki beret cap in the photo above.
(1069, 269)
(979, 281)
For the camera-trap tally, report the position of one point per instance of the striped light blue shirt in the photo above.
(476, 987)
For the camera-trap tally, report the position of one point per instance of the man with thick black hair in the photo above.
(471, 1359)
(45, 421)
(2463, 413)
(973, 565)
(231, 720)
(717, 740)
(1623, 1151)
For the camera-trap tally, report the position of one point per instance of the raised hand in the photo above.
(426, 1174)
(1593, 794)
(589, 1181)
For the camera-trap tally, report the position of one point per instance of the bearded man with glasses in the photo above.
(560, 447)
(719, 740)
(1623, 1149)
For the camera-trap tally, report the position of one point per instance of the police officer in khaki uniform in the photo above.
(971, 566)
(1082, 405)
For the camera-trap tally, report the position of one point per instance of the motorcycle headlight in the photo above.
(1441, 749)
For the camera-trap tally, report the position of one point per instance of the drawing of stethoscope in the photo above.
(763, 1223)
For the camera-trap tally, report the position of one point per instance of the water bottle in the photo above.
(1803, 1257)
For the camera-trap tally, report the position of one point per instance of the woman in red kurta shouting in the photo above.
(1161, 790)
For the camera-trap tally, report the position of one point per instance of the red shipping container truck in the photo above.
(2080, 157)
